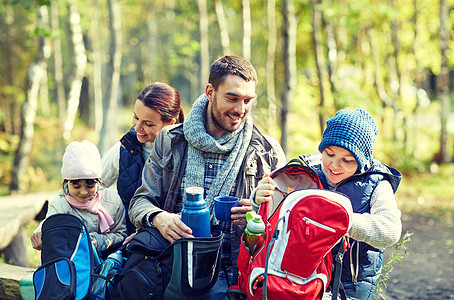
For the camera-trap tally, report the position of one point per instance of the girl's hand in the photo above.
(93, 240)
(36, 238)
(264, 190)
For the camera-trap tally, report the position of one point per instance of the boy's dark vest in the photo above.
(359, 188)
(130, 171)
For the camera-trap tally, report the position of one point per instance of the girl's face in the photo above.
(81, 190)
(147, 122)
(339, 164)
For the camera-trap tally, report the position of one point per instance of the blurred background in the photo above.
(71, 70)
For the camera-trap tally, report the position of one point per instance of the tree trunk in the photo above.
(271, 57)
(332, 59)
(8, 103)
(80, 63)
(152, 54)
(289, 35)
(204, 46)
(246, 29)
(36, 72)
(225, 41)
(319, 61)
(109, 128)
(44, 104)
(97, 73)
(58, 62)
(443, 83)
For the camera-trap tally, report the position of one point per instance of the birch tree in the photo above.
(290, 80)
(246, 29)
(319, 59)
(80, 64)
(225, 40)
(270, 64)
(443, 82)
(58, 61)
(204, 46)
(110, 95)
(35, 74)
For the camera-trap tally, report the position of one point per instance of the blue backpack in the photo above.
(67, 268)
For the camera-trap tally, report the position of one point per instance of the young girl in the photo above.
(346, 165)
(84, 196)
(157, 106)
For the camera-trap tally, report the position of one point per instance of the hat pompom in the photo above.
(355, 131)
(81, 160)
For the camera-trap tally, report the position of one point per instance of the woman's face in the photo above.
(339, 164)
(81, 190)
(147, 122)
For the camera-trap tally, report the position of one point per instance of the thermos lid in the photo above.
(195, 190)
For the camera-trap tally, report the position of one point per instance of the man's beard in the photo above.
(215, 120)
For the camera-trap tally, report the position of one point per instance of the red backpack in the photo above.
(295, 262)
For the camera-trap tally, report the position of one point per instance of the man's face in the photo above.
(229, 105)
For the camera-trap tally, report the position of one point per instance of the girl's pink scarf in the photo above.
(94, 206)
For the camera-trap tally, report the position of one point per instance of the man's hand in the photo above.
(171, 227)
(239, 212)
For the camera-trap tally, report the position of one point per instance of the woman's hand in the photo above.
(171, 227)
(264, 190)
(129, 238)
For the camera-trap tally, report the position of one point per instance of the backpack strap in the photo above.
(268, 251)
(338, 272)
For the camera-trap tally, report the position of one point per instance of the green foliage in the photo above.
(398, 253)
(428, 192)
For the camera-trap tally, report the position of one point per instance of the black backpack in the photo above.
(156, 269)
(67, 261)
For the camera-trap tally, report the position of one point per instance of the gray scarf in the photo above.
(199, 141)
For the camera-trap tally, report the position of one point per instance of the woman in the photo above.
(157, 106)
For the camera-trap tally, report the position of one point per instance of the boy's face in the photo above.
(339, 164)
(82, 191)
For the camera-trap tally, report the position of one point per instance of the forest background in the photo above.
(71, 70)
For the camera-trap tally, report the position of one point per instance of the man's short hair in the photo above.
(234, 65)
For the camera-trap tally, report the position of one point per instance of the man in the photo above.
(218, 148)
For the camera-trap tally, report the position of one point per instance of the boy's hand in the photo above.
(264, 190)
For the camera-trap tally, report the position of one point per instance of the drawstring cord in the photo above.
(352, 267)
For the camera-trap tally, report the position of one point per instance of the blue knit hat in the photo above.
(355, 131)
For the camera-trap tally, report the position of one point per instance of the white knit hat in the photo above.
(81, 160)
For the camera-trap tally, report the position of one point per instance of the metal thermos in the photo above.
(254, 234)
(195, 212)
(112, 264)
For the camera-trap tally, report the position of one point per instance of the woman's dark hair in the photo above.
(164, 99)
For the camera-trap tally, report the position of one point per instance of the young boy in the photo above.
(346, 165)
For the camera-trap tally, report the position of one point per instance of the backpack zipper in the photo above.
(310, 221)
